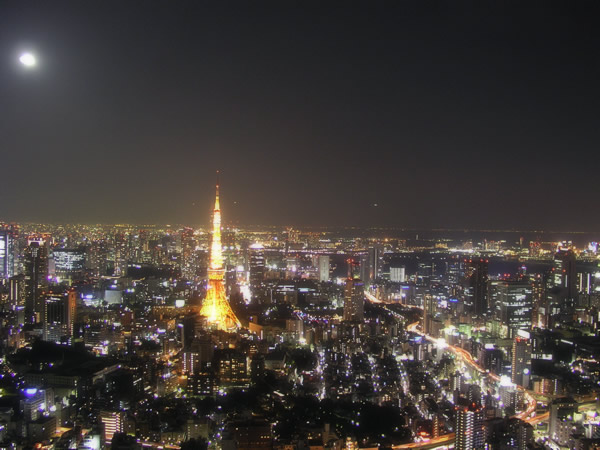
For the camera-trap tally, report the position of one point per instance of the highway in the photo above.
(442, 441)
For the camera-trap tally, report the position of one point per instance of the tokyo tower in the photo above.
(215, 306)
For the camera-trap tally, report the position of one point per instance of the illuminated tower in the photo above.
(215, 307)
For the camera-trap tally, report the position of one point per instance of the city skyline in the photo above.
(299, 225)
(443, 118)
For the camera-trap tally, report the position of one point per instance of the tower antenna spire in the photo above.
(215, 306)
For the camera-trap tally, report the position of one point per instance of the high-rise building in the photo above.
(257, 265)
(113, 422)
(398, 274)
(215, 306)
(515, 304)
(520, 434)
(521, 361)
(16, 293)
(365, 268)
(476, 286)
(69, 263)
(425, 271)
(97, 255)
(562, 412)
(36, 280)
(59, 315)
(323, 262)
(429, 310)
(375, 262)
(470, 429)
(55, 318)
(565, 273)
(354, 300)
(233, 369)
(6, 254)
(188, 247)
(71, 311)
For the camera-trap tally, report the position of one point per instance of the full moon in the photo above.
(27, 59)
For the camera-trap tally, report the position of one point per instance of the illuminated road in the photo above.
(372, 298)
(439, 442)
(527, 415)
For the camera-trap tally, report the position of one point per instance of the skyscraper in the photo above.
(36, 280)
(429, 310)
(55, 318)
(565, 273)
(323, 267)
(59, 315)
(521, 361)
(515, 304)
(470, 431)
(398, 274)
(188, 246)
(6, 254)
(16, 293)
(476, 281)
(69, 263)
(257, 265)
(215, 306)
(71, 311)
(375, 262)
(354, 300)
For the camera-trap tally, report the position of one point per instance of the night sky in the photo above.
(443, 114)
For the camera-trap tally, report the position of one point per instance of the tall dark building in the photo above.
(36, 280)
(59, 315)
(188, 248)
(55, 318)
(429, 310)
(354, 296)
(354, 300)
(257, 265)
(476, 286)
(565, 273)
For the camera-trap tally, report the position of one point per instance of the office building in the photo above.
(323, 262)
(6, 254)
(521, 361)
(375, 262)
(564, 273)
(515, 303)
(17, 292)
(476, 286)
(257, 265)
(398, 274)
(36, 280)
(69, 264)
